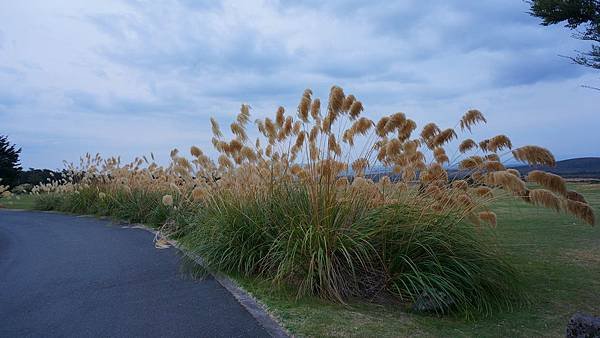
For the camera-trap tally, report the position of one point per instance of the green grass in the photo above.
(26, 202)
(557, 257)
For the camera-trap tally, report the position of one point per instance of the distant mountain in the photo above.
(583, 167)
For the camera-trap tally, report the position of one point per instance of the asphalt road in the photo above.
(64, 275)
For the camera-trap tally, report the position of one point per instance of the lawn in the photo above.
(17, 202)
(558, 258)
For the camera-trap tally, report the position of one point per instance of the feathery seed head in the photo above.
(167, 200)
(347, 103)
(514, 172)
(534, 155)
(499, 142)
(429, 131)
(484, 191)
(315, 109)
(359, 166)
(575, 196)
(581, 210)
(215, 128)
(471, 118)
(355, 109)
(467, 145)
(195, 151)
(549, 181)
(239, 131)
(244, 115)
(406, 130)
(545, 198)
(460, 184)
(304, 106)
(336, 101)
(380, 128)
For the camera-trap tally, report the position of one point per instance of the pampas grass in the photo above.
(300, 205)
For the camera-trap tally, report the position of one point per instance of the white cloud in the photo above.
(130, 77)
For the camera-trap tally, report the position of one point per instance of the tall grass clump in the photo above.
(302, 205)
(272, 235)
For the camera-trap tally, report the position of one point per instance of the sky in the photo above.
(133, 77)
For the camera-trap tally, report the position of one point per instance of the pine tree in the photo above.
(9, 162)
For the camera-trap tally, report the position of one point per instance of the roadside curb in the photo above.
(251, 304)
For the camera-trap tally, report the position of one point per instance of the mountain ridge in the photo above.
(579, 167)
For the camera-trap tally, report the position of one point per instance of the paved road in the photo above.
(73, 276)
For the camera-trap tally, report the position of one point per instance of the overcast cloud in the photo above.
(133, 77)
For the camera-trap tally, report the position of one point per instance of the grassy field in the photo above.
(558, 259)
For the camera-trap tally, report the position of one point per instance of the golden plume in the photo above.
(499, 142)
(549, 181)
(215, 128)
(534, 155)
(244, 115)
(304, 106)
(355, 109)
(545, 198)
(575, 196)
(582, 211)
(315, 109)
(470, 118)
(467, 145)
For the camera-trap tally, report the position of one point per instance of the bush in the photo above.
(136, 207)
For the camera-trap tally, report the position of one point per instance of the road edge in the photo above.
(255, 307)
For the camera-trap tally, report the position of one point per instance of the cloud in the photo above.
(107, 70)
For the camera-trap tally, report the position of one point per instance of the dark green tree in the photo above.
(582, 16)
(9, 162)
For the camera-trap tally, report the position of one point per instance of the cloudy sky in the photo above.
(133, 77)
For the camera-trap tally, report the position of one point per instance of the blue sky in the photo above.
(133, 77)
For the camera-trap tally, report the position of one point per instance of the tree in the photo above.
(9, 162)
(582, 16)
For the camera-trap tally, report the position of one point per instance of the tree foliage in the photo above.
(9, 162)
(582, 16)
(37, 176)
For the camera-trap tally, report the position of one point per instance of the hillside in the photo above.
(584, 167)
